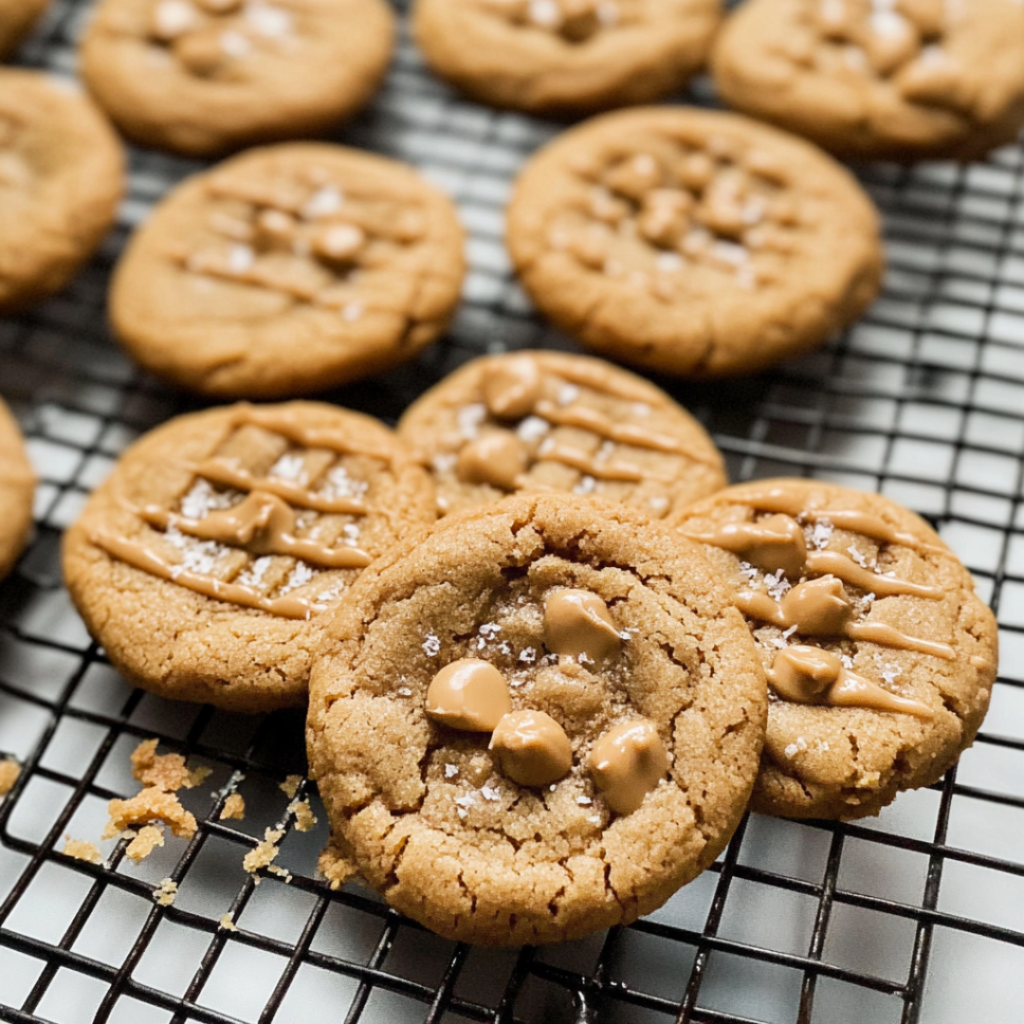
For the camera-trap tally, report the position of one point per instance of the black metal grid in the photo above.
(824, 922)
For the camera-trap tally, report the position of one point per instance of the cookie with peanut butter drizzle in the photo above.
(287, 270)
(566, 56)
(16, 21)
(204, 76)
(17, 487)
(693, 242)
(550, 421)
(205, 561)
(61, 178)
(879, 79)
(879, 655)
(536, 721)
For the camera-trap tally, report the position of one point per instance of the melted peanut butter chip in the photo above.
(627, 763)
(497, 459)
(578, 622)
(771, 544)
(469, 694)
(532, 748)
(818, 607)
(512, 388)
(809, 675)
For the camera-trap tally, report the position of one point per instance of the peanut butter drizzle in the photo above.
(834, 563)
(289, 427)
(574, 458)
(809, 675)
(627, 763)
(531, 748)
(252, 275)
(262, 524)
(141, 557)
(775, 543)
(222, 472)
(469, 694)
(981, 664)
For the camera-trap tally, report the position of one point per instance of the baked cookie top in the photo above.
(893, 79)
(693, 242)
(204, 562)
(550, 421)
(61, 178)
(880, 657)
(203, 76)
(16, 21)
(17, 487)
(551, 56)
(289, 269)
(536, 722)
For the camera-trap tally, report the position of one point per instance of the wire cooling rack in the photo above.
(916, 917)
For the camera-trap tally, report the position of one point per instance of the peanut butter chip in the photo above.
(578, 622)
(818, 607)
(802, 673)
(627, 763)
(496, 459)
(532, 748)
(512, 388)
(469, 694)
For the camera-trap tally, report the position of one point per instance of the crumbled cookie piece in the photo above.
(167, 772)
(265, 852)
(148, 839)
(150, 805)
(305, 819)
(227, 922)
(290, 786)
(10, 771)
(337, 863)
(81, 849)
(167, 893)
(234, 808)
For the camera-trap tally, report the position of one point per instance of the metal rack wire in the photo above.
(917, 917)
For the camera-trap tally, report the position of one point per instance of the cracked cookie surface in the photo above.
(204, 562)
(426, 813)
(16, 21)
(17, 487)
(203, 76)
(880, 79)
(691, 242)
(61, 178)
(289, 269)
(561, 56)
(549, 421)
(870, 584)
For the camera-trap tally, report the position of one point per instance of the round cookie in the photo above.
(203, 76)
(562, 56)
(17, 486)
(880, 657)
(289, 269)
(634, 756)
(550, 421)
(691, 242)
(61, 178)
(16, 20)
(203, 563)
(898, 80)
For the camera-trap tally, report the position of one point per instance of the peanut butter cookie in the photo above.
(881, 79)
(549, 421)
(61, 178)
(16, 21)
(693, 242)
(203, 563)
(17, 486)
(289, 269)
(880, 657)
(204, 76)
(536, 722)
(561, 56)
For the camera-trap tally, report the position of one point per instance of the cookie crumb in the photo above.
(150, 805)
(227, 922)
(265, 853)
(234, 808)
(10, 770)
(305, 819)
(81, 849)
(276, 869)
(290, 786)
(167, 893)
(166, 772)
(336, 864)
(148, 839)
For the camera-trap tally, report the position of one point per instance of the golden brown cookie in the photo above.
(16, 20)
(692, 242)
(890, 79)
(559, 56)
(289, 269)
(880, 657)
(17, 486)
(202, 565)
(637, 708)
(61, 178)
(204, 76)
(550, 421)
